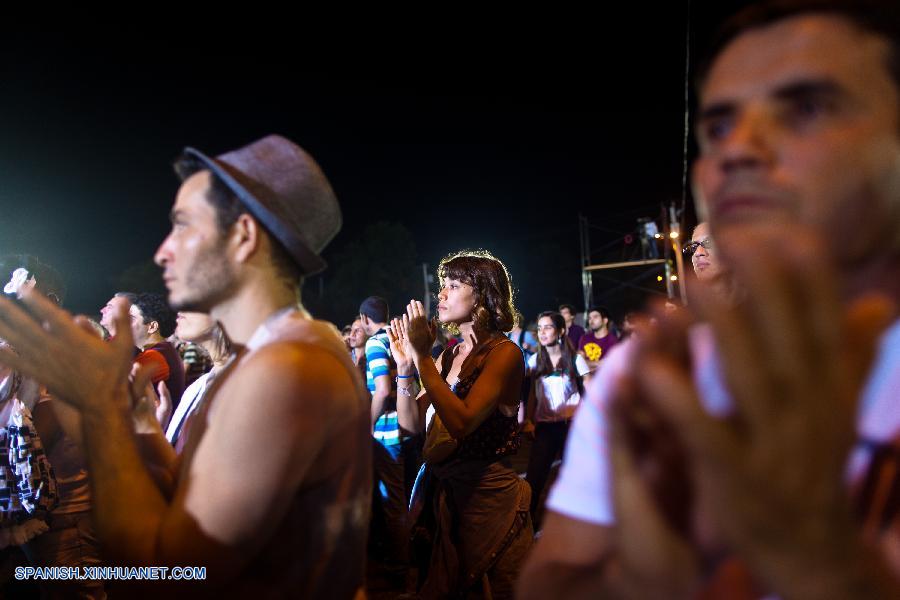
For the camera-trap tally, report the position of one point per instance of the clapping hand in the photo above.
(65, 354)
(401, 351)
(794, 357)
(419, 330)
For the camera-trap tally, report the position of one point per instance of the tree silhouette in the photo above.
(381, 262)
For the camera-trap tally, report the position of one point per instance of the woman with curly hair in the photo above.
(469, 400)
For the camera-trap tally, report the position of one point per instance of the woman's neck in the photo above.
(212, 348)
(554, 352)
(467, 333)
(471, 337)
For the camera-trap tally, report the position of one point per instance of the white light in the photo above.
(674, 277)
(673, 235)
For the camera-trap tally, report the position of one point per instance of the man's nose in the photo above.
(750, 141)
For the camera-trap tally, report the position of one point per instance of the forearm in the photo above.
(378, 399)
(128, 507)
(454, 412)
(69, 419)
(407, 407)
(160, 459)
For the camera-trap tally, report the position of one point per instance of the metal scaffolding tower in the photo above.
(672, 261)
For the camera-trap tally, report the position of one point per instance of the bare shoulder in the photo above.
(293, 375)
(507, 354)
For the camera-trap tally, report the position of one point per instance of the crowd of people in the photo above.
(743, 446)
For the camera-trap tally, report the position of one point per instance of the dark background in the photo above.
(492, 136)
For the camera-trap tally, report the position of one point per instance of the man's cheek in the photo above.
(698, 177)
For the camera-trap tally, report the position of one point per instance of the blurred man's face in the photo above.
(140, 330)
(106, 313)
(798, 124)
(567, 316)
(596, 321)
(358, 335)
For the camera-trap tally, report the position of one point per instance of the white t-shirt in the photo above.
(189, 402)
(557, 395)
(583, 490)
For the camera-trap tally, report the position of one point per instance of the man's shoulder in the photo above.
(165, 348)
(378, 345)
(380, 338)
(300, 374)
(295, 357)
(309, 351)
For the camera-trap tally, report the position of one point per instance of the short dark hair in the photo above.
(228, 208)
(878, 17)
(493, 289)
(376, 308)
(604, 312)
(568, 307)
(154, 307)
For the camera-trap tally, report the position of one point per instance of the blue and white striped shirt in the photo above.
(380, 364)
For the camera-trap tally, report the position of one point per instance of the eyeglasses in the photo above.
(691, 247)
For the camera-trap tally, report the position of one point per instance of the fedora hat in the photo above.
(281, 185)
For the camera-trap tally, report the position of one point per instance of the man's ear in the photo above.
(152, 327)
(245, 237)
(364, 320)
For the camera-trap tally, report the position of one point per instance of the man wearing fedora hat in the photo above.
(274, 477)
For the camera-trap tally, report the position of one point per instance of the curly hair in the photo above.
(494, 308)
(154, 307)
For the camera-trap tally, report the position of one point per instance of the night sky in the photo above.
(464, 146)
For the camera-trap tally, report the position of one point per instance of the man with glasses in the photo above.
(707, 266)
(701, 251)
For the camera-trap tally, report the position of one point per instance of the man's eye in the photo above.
(715, 129)
(807, 109)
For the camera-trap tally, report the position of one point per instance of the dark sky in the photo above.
(498, 144)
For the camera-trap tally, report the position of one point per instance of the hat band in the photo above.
(309, 262)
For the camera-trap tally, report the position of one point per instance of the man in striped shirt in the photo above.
(381, 378)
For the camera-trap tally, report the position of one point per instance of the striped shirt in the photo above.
(380, 364)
